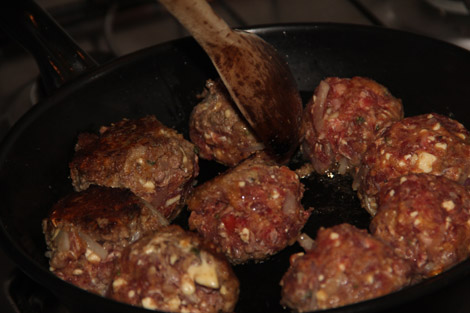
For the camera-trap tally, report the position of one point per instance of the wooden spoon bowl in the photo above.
(257, 77)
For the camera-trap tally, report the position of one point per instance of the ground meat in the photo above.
(174, 271)
(342, 119)
(346, 265)
(426, 218)
(251, 211)
(219, 131)
(87, 231)
(428, 143)
(152, 160)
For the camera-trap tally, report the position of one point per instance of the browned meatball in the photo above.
(428, 143)
(343, 118)
(346, 265)
(426, 219)
(251, 211)
(152, 160)
(219, 131)
(174, 271)
(87, 231)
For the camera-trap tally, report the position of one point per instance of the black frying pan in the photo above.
(428, 75)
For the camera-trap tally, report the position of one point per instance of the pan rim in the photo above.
(43, 276)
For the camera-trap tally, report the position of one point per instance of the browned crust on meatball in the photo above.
(152, 160)
(343, 117)
(219, 131)
(347, 265)
(428, 143)
(251, 211)
(87, 231)
(175, 271)
(426, 219)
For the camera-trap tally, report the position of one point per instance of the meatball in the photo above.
(346, 265)
(175, 271)
(219, 131)
(87, 231)
(426, 219)
(428, 143)
(152, 160)
(342, 119)
(251, 211)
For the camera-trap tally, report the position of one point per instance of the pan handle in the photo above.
(57, 55)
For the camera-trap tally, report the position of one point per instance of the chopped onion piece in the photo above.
(343, 166)
(320, 105)
(255, 147)
(62, 241)
(161, 219)
(306, 242)
(135, 236)
(290, 204)
(94, 246)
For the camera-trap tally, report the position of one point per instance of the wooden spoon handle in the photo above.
(198, 17)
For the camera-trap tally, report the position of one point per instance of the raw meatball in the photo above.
(343, 118)
(251, 211)
(173, 271)
(428, 143)
(346, 265)
(426, 219)
(219, 131)
(87, 231)
(152, 160)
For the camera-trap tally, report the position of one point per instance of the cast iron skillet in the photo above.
(428, 75)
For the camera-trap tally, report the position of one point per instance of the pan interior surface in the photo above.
(428, 75)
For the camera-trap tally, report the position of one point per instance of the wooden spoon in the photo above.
(258, 79)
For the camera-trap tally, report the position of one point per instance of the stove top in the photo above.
(107, 29)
